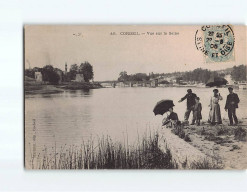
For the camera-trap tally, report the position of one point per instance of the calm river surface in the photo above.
(73, 116)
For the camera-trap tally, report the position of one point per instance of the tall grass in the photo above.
(106, 154)
(205, 164)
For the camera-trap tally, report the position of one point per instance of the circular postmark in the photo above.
(216, 42)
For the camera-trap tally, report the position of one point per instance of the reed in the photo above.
(106, 154)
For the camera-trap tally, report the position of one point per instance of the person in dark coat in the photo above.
(231, 105)
(190, 104)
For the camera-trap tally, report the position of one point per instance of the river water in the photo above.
(73, 116)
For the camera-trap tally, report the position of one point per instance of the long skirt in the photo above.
(214, 114)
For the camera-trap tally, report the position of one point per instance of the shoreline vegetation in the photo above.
(226, 144)
(39, 88)
(190, 147)
(61, 80)
(104, 153)
(197, 76)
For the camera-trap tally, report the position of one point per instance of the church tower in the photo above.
(66, 68)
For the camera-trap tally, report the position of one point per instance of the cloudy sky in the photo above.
(111, 54)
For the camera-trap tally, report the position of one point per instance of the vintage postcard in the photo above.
(135, 97)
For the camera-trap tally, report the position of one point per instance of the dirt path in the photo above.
(179, 148)
(217, 143)
(232, 153)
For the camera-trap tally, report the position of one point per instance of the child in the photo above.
(172, 118)
(197, 112)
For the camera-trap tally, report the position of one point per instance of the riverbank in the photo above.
(223, 144)
(42, 89)
(38, 88)
(81, 85)
(206, 147)
(104, 153)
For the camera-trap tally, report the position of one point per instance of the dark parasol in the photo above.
(163, 106)
(216, 82)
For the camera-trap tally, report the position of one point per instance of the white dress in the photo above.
(214, 113)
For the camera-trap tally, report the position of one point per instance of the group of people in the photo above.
(194, 106)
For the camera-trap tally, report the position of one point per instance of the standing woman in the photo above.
(214, 113)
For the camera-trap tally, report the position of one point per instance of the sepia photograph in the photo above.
(135, 97)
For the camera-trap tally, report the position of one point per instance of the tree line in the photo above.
(84, 68)
(123, 76)
(238, 73)
(53, 75)
(199, 75)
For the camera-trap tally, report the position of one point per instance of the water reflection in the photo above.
(84, 92)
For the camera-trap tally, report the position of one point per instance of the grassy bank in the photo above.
(224, 143)
(39, 88)
(82, 85)
(104, 153)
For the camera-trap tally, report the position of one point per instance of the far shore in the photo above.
(38, 88)
(42, 89)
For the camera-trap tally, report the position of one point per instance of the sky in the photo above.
(109, 50)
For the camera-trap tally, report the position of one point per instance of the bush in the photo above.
(109, 155)
(235, 147)
(181, 134)
(205, 164)
(240, 134)
(187, 138)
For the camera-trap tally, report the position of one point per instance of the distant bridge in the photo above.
(152, 83)
(108, 84)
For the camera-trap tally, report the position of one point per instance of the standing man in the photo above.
(190, 105)
(231, 105)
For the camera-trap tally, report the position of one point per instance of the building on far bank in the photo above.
(38, 77)
(170, 79)
(121, 84)
(229, 79)
(163, 83)
(154, 82)
(79, 78)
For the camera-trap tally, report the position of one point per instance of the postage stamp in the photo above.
(216, 42)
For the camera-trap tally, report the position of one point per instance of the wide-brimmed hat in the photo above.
(230, 88)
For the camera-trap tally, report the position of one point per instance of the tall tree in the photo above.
(49, 74)
(239, 73)
(123, 76)
(87, 70)
(73, 71)
(29, 73)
